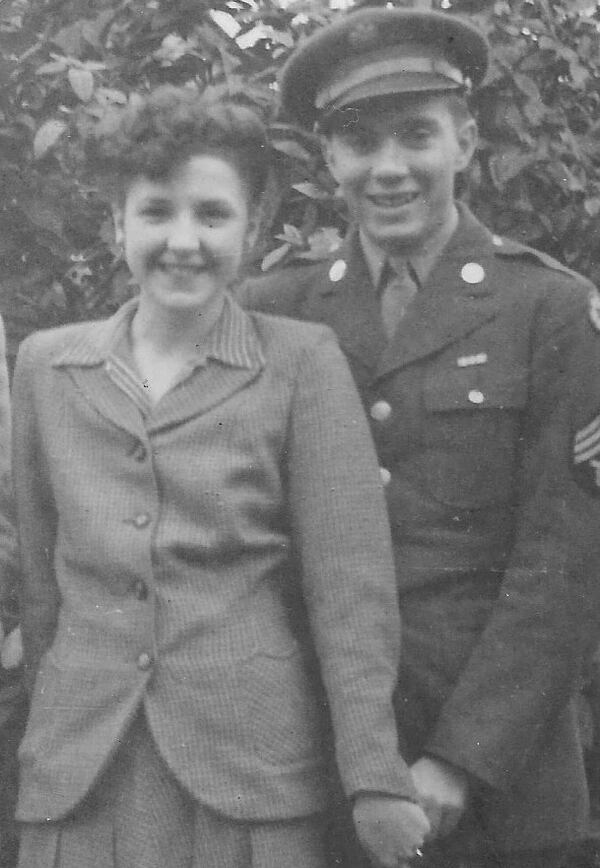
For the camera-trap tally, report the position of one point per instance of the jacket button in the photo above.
(139, 453)
(140, 590)
(144, 661)
(141, 520)
(380, 411)
(476, 397)
(385, 475)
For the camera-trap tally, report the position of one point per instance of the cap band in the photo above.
(381, 65)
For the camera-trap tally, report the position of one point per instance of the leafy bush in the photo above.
(65, 62)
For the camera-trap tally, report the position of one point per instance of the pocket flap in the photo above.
(469, 390)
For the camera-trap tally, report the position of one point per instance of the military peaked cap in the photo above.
(378, 52)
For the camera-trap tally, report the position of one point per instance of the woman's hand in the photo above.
(391, 830)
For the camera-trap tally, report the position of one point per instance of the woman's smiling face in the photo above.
(184, 235)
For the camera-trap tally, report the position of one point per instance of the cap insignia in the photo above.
(472, 272)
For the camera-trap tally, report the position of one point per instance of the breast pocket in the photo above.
(473, 423)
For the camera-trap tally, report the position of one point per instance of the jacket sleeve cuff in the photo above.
(393, 780)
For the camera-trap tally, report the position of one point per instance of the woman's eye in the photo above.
(213, 214)
(155, 212)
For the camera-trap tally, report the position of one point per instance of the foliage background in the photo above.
(64, 62)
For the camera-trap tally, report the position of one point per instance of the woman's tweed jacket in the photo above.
(159, 569)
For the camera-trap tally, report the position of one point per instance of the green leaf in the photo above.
(43, 214)
(292, 149)
(275, 256)
(82, 82)
(507, 163)
(291, 235)
(70, 38)
(307, 188)
(47, 136)
(592, 206)
(53, 67)
(322, 243)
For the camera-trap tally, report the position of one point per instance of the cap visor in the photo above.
(402, 83)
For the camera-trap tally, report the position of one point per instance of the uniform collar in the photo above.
(421, 264)
(463, 265)
(232, 341)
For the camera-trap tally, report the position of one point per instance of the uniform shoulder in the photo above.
(508, 249)
(282, 291)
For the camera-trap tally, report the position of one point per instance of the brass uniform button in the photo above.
(380, 411)
(476, 397)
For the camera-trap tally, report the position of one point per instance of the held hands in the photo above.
(443, 791)
(391, 830)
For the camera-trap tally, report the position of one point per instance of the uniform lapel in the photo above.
(347, 302)
(457, 298)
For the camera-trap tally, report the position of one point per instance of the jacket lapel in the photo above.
(347, 302)
(84, 357)
(208, 388)
(457, 298)
(87, 353)
(219, 379)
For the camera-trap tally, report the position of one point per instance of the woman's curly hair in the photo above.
(154, 133)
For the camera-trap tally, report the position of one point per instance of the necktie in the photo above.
(398, 288)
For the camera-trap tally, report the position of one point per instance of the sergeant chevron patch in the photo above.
(586, 454)
(594, 310)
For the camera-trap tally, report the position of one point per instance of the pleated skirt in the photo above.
(139, 816)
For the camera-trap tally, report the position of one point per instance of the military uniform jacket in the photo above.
(484, 412)
(157, 570)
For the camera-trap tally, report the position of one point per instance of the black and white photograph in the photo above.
(300, 434)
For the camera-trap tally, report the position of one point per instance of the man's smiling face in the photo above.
(395, 161)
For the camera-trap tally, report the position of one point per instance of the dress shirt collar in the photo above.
(421, 264)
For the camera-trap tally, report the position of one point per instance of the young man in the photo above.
(478, 361)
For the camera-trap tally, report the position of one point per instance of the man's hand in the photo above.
(390, 829)
(444, 793)
(11, 652)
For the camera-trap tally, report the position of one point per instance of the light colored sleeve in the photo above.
(8, 541)
(39, 597)
(341, 532)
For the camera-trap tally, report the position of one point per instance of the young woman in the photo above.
(190, 478)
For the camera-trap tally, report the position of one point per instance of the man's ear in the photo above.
(118, 222)
(467, 137)
(254, 223)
